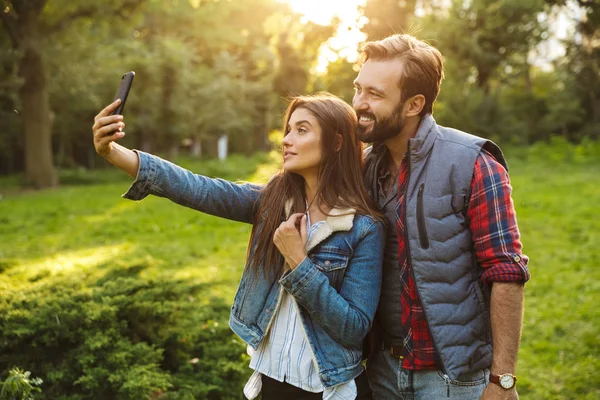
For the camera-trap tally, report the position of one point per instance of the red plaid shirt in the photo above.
(497, 246)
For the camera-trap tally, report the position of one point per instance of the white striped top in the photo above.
(285, 355)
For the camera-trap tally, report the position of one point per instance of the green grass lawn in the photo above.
(83, 230)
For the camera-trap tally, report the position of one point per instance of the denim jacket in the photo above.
(337, 285)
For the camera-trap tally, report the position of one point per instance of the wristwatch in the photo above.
(506, 381)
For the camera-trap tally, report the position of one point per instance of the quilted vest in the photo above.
(441, 163)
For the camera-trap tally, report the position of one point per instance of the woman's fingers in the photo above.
(104, 144)
(102, 122)
(105, 141)
(107, 128)
(303, 229)
(110, 129)
(294, 221)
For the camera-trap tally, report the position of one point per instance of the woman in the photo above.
(310, 288)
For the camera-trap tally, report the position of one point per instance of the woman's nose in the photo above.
(286, 141)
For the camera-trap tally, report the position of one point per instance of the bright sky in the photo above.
(348, 35)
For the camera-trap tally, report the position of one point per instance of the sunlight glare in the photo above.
(348, 35)
(71, 261)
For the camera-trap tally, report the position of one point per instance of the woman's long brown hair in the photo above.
(340, 180)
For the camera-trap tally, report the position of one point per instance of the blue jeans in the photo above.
(389, 381)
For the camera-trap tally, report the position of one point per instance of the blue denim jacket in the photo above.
(337, 285)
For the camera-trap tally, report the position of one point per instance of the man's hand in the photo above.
(291, 242)
(495, 392)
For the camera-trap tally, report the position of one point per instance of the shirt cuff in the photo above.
(514, 271)
(295, 279)
(144, 180)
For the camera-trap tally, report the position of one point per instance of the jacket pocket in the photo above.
(423, 239)
(333, 264)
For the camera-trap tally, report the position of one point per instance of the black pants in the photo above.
(272, 389)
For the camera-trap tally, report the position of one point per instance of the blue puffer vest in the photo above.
(440, 249)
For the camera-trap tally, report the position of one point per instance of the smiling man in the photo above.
(451, 309)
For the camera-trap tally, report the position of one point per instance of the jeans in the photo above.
(389, 381)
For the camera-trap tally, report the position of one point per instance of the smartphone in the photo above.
(123, 91)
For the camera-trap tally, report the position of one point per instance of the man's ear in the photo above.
(338, 142)
(415, 105)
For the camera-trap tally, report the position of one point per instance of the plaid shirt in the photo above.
(497, 246)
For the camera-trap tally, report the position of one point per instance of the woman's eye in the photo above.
(301, 130)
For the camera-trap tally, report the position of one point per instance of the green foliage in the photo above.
(19, 385)
(119, 335)
(203, 69)
(557, 200)
(105, 298)
(109, 299)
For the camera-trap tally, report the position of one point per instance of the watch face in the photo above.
(507, 381)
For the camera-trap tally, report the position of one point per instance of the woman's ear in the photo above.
(338, 142)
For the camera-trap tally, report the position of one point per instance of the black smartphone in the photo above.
(123, 91)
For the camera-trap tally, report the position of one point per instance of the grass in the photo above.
(558, 207)
(84, 226)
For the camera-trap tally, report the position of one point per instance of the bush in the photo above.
(122, 336)
(560, 150)
(18, 386)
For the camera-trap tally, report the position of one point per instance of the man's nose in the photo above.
(359, 103)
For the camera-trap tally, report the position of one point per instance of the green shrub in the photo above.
(559, 150)
(122, 336)
(18, 386)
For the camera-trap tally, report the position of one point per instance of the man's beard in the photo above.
(384, 128)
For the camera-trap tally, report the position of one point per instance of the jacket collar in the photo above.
(339, 220)
(423, 141)
(420, 145)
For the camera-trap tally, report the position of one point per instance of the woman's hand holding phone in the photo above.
(107, 129)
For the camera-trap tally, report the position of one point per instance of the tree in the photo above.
(486, 34)
(387, 17)
(582, 65)
(298, 47)
(29, 23)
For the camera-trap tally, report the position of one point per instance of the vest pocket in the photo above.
(423, 239)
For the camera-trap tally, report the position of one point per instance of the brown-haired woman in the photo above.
(310, 288)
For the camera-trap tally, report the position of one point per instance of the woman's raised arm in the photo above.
(159, 177)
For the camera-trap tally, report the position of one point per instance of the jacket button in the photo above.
(516, 258)
(327, 263)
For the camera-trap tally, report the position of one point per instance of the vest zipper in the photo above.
(447, 379)
(423, 239)
(407, 246)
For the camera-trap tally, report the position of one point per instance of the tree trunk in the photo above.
(39, 165)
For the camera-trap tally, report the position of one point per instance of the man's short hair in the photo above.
(422, 65)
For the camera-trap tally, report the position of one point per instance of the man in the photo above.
(450, 314)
